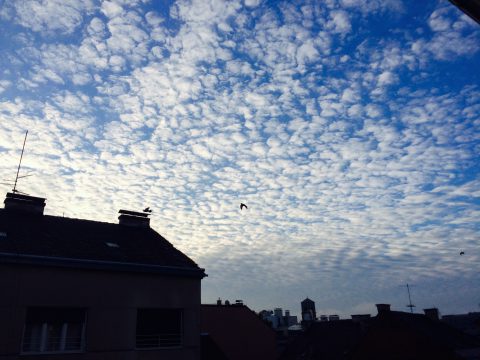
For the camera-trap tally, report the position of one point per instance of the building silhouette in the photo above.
(278, 319)
(235, 332)
(468, 323)
(393, 335)
(308, 310)
(82, 289)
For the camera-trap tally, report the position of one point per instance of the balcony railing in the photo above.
(159, 340)
(52, 344)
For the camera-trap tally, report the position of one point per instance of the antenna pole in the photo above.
(410, 305)
(20, 163)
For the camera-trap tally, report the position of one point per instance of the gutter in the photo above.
(24, 259)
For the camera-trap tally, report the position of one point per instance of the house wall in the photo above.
(111, 300)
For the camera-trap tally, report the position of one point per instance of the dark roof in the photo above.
(389, 335)
(434, 329)
(469, 7)
(401, 335)
(210, 349)
(238, 332)
(59, 241)
(468, 323)
(330, 340)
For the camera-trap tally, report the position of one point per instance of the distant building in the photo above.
(388, 335)
(278, 312)
(277, 319)
(289, 320)
(235, 332)
(82, 289)
(308, 310)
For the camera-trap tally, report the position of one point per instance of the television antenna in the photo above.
(14, 190)
(410, 305)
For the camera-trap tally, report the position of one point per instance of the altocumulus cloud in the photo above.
(350, 128)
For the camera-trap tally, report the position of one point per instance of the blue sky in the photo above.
(350, 128)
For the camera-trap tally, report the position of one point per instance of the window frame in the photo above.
(181, 334)
(43, 334)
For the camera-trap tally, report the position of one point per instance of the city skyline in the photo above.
(349, 129)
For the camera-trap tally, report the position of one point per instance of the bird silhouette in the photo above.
(462, 252)
(242, 205)
(147, 210)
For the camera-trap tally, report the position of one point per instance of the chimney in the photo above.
(383, 308)
(219, 302)
(133, 219)
(432, 313)
(24, 203)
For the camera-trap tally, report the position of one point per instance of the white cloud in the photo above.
(52, 15)
(195, 108)
(367, 6)
(96, 28)
(252, 3)
(340, 22)
(4, 84)
(453, 36)
(386, 78)
(154, 19)
(438, 21)
(111, 9)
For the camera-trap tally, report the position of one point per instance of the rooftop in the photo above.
(34, 238)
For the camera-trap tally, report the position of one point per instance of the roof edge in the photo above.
(24, 259)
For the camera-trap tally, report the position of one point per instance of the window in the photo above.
(159, 328)
(54, 330)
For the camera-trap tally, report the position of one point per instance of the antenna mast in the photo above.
(410, 305)
(20, 163)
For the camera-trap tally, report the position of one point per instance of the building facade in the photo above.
(79, 289)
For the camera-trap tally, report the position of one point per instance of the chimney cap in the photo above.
(133, 213)
(34, 199)
(24, 203)
(133, 219)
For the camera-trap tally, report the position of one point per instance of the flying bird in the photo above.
(462, 252)
(147, 210)
(242, 205)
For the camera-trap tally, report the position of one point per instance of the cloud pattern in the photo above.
(350, 128)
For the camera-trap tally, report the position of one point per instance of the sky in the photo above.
(350, 129)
